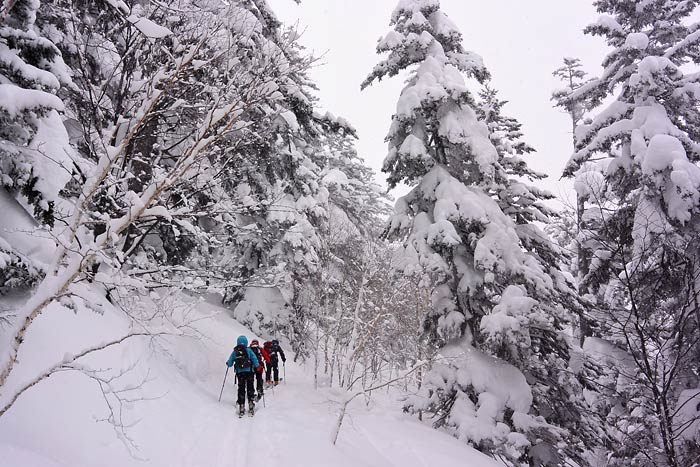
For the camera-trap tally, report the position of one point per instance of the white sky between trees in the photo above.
(521, 42)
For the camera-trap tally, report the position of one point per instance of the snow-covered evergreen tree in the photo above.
(498, 302)
(35, 156)
(280, 185)
(296, 166)
(644, 269)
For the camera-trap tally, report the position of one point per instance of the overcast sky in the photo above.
(521, 43)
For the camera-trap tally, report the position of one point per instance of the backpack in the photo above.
(272, 349)
(258, 355)
(241, 360)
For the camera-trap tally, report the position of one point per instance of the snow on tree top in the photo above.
(461, 126)
(666, 154)
(510, 314)
(335, 177)
(637, 40)
(608, 22)
(15, 100)
(651, 65)
(417, 21)
(589, 183)
(413, 147)
(290, 119)
(491, 375)
(148, 28)
(243, 22)
(39, 78)
(663, 153)
(410, 7)
(444, 26)
(422, 31)
(119, 5)
(392, 40)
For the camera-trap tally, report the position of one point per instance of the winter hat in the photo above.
(254, 343)
(243, 340)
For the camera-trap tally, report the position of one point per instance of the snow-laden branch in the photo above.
(66, 364)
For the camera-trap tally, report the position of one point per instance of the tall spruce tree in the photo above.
(498, 303)
(573, 77)
(645, 266)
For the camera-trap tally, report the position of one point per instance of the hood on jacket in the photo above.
(242, 340)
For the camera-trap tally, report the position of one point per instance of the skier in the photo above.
(264, 359)
(273, 348)
(244, 362)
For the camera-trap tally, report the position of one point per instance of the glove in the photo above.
(228, 364)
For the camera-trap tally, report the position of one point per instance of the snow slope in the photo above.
(57, 423)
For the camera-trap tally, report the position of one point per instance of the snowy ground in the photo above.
(57, 423)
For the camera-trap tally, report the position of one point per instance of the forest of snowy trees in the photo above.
(148, 147)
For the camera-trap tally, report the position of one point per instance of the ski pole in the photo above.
(224, 384)
(264, 405)
(284, 369)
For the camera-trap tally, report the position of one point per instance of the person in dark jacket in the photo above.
(244, 362)
(273, 349)
(264, 360)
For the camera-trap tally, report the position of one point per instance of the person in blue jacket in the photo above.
(244, 362)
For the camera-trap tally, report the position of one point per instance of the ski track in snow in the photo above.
(293, 426)
(216, 437)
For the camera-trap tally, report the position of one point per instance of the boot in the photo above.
(276, 383)
(241, 409)
(260, 395)
(251, 406)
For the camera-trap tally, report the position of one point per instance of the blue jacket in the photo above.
(242, 340)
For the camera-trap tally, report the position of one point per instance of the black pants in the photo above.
(273, 367)
(245, 384)
(259, 381)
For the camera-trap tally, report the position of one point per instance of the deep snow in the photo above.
(56, 423)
